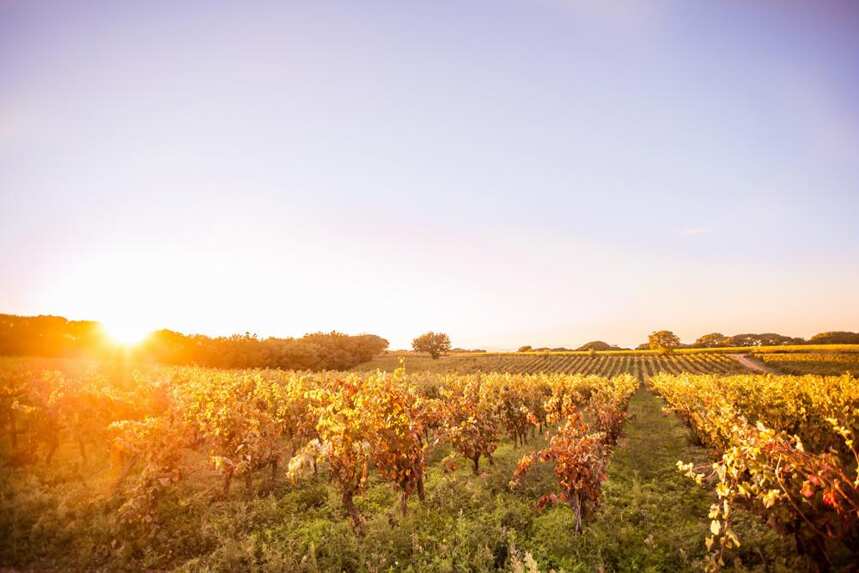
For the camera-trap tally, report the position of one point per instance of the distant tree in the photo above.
(526, 348)
(664, 341)
(435, 343)
(712, 340)
(50, 336)
(596, 345)
(765, 339)
(643, 346)
(367, 346)
(837, 337)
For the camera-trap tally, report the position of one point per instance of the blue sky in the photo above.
(543, 172)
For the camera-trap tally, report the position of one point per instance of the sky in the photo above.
(542, 172)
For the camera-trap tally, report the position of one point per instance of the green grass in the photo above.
(652, 518)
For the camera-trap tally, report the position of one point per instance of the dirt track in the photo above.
(753, 364)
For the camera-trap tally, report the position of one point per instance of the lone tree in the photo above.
(664, 341)
(435, 343)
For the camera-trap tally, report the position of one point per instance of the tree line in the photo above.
(719, 340)
(665, 340)
(54, 336)
(668, 339)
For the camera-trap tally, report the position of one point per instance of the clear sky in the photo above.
(540, 172)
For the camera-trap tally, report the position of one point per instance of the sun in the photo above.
(126, 333)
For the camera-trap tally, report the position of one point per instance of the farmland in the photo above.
(128, 466)
(824, 363)
(602, 364)
(115, 468)
(429, 287)
(788, 452)
(830, 360)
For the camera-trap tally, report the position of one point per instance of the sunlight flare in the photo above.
(126, 333)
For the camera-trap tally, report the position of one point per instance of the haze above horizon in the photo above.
(542, 173)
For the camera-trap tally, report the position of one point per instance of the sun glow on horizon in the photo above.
(126, 333)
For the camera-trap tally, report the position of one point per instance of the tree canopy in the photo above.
(712, 340)
(434, 343)
(597, 345)
(55, 336)
(836, 337)
(663, 341)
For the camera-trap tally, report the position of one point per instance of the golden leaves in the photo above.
(781, 442)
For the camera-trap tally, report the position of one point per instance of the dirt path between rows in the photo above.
(753, 364)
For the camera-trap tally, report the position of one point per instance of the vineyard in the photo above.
(128, 449)
(826, 364)
(600, 364)
(557, 286)
(108, 465)
(788, 453)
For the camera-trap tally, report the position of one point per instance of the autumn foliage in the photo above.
(590, 411)
(148, 421)
(787, 450)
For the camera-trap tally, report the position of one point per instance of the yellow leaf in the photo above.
(770, 498)
(714, 511)
(730, 533)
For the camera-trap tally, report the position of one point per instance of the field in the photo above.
(115, 466)
(788, 452)
(557, 286)
(824, 363)
(602, 364)
(827, 360)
